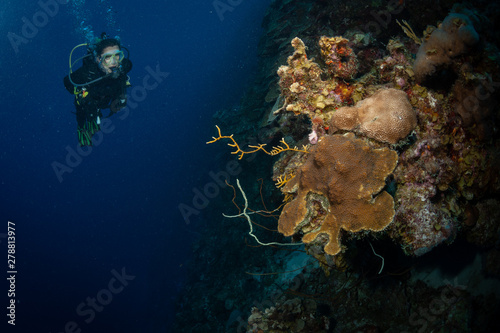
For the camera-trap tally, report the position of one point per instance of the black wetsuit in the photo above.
(106, 93)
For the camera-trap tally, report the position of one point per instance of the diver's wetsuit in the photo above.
(106, 93)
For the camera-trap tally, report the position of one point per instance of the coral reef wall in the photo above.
(396, 197)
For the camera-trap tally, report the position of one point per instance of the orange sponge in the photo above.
(454, 37)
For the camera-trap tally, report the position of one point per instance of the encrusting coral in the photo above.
(303, 89)
(338, 188)
(387, 116)
(294, 315)
(339, 57)
(299, 79)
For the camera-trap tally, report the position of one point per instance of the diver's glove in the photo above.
(118, 104)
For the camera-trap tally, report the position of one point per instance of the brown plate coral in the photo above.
(339, 187)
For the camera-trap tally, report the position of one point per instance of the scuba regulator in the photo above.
(115, 56)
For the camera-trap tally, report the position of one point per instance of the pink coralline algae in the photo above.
(426, 225)
(401, 82)
(313, 137)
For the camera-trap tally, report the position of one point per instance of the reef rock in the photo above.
(339, 57)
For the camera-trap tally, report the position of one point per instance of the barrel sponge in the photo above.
(339, 187)
(453, 37)
(387, 116)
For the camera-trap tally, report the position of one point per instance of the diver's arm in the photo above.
(120, 99)
(84, 76)
(78, 76)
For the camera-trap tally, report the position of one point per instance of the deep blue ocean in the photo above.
(100, 243)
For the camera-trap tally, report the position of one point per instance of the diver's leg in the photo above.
(84, 137)
(86, 117)
(94, 119)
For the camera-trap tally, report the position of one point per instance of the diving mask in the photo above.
(112, 58)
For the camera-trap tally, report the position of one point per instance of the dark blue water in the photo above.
(99, 241)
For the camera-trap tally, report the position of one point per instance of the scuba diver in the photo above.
(100, 83)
